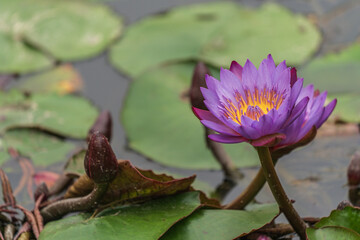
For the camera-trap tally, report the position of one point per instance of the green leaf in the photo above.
(348, 218)
(61, 80)
(42, 148)
(216, 33)
(332, 233)
(335, 72)
(221, 224)
(147, 221)
(32, 30)
(160, 124)
(347, 107)
(67, 115)
(339, 74)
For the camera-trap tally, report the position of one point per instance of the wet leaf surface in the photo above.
(221, 224)
(203, 32)
(61, 80)
(171, 134)
(67, 115)
(32, 31)
(149, 220)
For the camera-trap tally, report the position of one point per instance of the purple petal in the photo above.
(236, 69)
(293, 76)
(229, 81)
(205, 115)
(295, 91)
(249, 75)
(298, 109)
(327, 111)
(226, 139)
(280, 68)
(266, 71)
(220, 128)
(212, 83)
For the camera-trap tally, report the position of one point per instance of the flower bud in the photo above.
(353, 172)
(198, 80)
(103, 124)
(100, 161)
(41, 189)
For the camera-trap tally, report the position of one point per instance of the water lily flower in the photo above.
(265, 107)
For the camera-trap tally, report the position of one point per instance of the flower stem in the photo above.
(58, 209)
(218, 151)
(279, 194)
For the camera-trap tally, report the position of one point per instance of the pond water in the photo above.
(315, 176)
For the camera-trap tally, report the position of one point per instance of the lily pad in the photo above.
(160, 124)
(332, 233)
(42, 148)
(67, 115)
(339, 74)
(348, 218)
(147, 221)
(32, 31)
(335, 72)
(216, 33)
(61, 80)
(208, 224)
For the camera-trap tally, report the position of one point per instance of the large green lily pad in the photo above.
(208, 224)
(216, 33)
(67, 115)
(332, 233)
(147, 221)
(35, 31)
(339, 74)
(43, 149)
(348, 218)
(160, 124)
(335, 72)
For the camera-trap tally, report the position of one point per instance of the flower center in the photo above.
(252, 105)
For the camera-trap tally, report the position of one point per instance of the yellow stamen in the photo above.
(253, 105)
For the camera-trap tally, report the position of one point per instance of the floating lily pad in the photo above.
(339, 74)
(216, 33)
(147, 221)
(207, 224)
(61, 80)
(348, 218)
(160, 124)
(43, 149)
(31, 31)
(67, 115)
(335, 72)
(332, 233)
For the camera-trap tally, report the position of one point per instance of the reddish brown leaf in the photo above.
(132, 185)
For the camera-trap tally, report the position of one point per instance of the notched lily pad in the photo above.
(160, 124)
(332, 233)
(67, 115)
(147, 221)
(32, 30)
(216, 33)
(132, 185)
(61, 80)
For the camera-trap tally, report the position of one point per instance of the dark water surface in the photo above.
(315, 175)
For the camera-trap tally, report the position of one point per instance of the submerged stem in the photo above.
(279, 194)
(58, 209)
(227, 165)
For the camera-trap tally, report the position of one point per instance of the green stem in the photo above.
(279, 194)
(250, 192)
